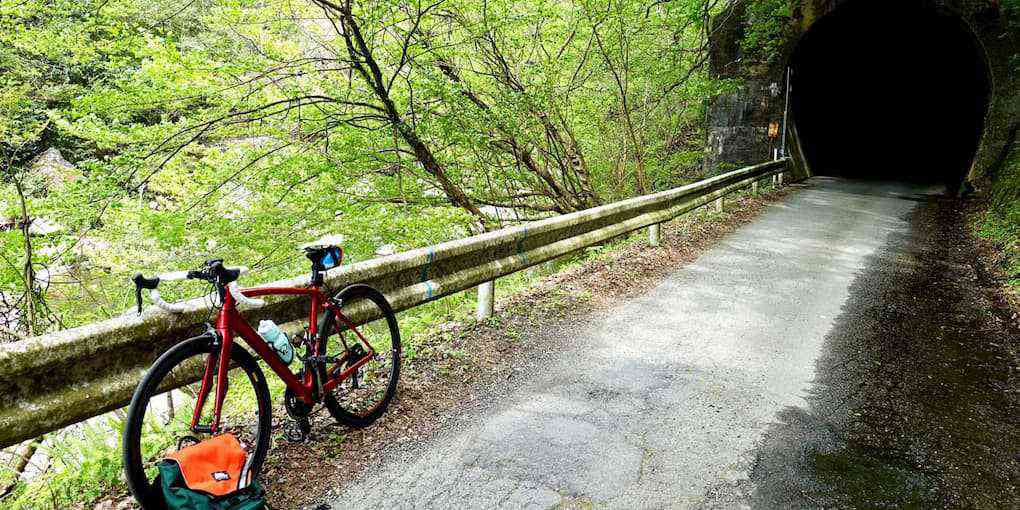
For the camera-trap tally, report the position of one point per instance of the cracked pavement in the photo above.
(662, 400)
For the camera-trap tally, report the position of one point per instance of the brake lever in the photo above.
(142, 282)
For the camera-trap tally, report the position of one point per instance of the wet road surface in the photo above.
(783, 368)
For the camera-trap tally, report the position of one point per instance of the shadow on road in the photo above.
(915, 403)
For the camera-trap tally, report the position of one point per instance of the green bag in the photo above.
(178, 496)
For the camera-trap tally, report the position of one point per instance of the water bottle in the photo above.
(277, 339)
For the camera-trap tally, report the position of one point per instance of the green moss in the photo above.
(871, 483)
(768, 25)
(1000, 223)
(1006, 191)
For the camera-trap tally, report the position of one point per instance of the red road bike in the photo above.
(351, 364)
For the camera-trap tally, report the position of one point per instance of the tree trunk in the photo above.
(365, 63)
(512, 146)
(621, 85)
(29, 272)
(23, 455)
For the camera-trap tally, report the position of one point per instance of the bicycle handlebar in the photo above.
(158, 301)
(214, 272)
(241, 298)
(176, 275)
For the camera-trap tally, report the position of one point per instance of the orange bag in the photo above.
(216, 466)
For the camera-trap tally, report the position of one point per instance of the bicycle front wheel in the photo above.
(363, 396)
(159, 418)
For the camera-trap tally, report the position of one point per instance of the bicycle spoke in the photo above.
(364, 393)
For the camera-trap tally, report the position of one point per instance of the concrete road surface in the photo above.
(661, 402)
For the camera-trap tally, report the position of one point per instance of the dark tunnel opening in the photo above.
(891, 92)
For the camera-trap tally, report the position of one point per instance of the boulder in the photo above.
(56, 171)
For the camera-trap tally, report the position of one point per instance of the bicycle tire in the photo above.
(145, 492)
(336, 409)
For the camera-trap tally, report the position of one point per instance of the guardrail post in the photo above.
(486, 292)
(754, 188)
(653, 234)
(718, 204)
(780, 176)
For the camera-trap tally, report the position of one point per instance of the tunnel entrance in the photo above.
(892, 92)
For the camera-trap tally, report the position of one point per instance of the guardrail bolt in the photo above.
(718, 204)
(653, 235)
(486, 292)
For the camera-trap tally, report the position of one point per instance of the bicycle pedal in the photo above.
(297, 431)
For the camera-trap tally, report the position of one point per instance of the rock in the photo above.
(55, 170)
(447, 327)
(45, 275)
(244, 141)
(500, 213)
(44, 226)
(48, 251)
(109, 504)
(386, 249)
(236, 202)
(91, 246)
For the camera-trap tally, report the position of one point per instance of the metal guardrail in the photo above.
(51, 381)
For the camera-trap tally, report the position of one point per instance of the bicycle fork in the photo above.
(217, 365)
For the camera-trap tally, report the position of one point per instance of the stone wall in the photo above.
(738, 121)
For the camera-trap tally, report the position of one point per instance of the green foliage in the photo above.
(1011, 10)
(1000, 224)
(117, 85)
(767, 20)
(85, 466)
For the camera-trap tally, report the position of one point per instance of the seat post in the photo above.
(317, 268)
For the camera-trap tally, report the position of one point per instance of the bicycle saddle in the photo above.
(324, 253)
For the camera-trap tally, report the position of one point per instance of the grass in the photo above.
(1000, 222)
(1001, 226)
(871, 483)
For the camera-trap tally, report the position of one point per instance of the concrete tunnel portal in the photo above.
(896, 92)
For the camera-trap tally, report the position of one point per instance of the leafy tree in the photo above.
(240, 128)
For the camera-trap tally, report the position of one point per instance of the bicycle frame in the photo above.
(229, 324)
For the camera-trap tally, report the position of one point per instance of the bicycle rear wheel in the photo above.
(160, 414)
(363, 397)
